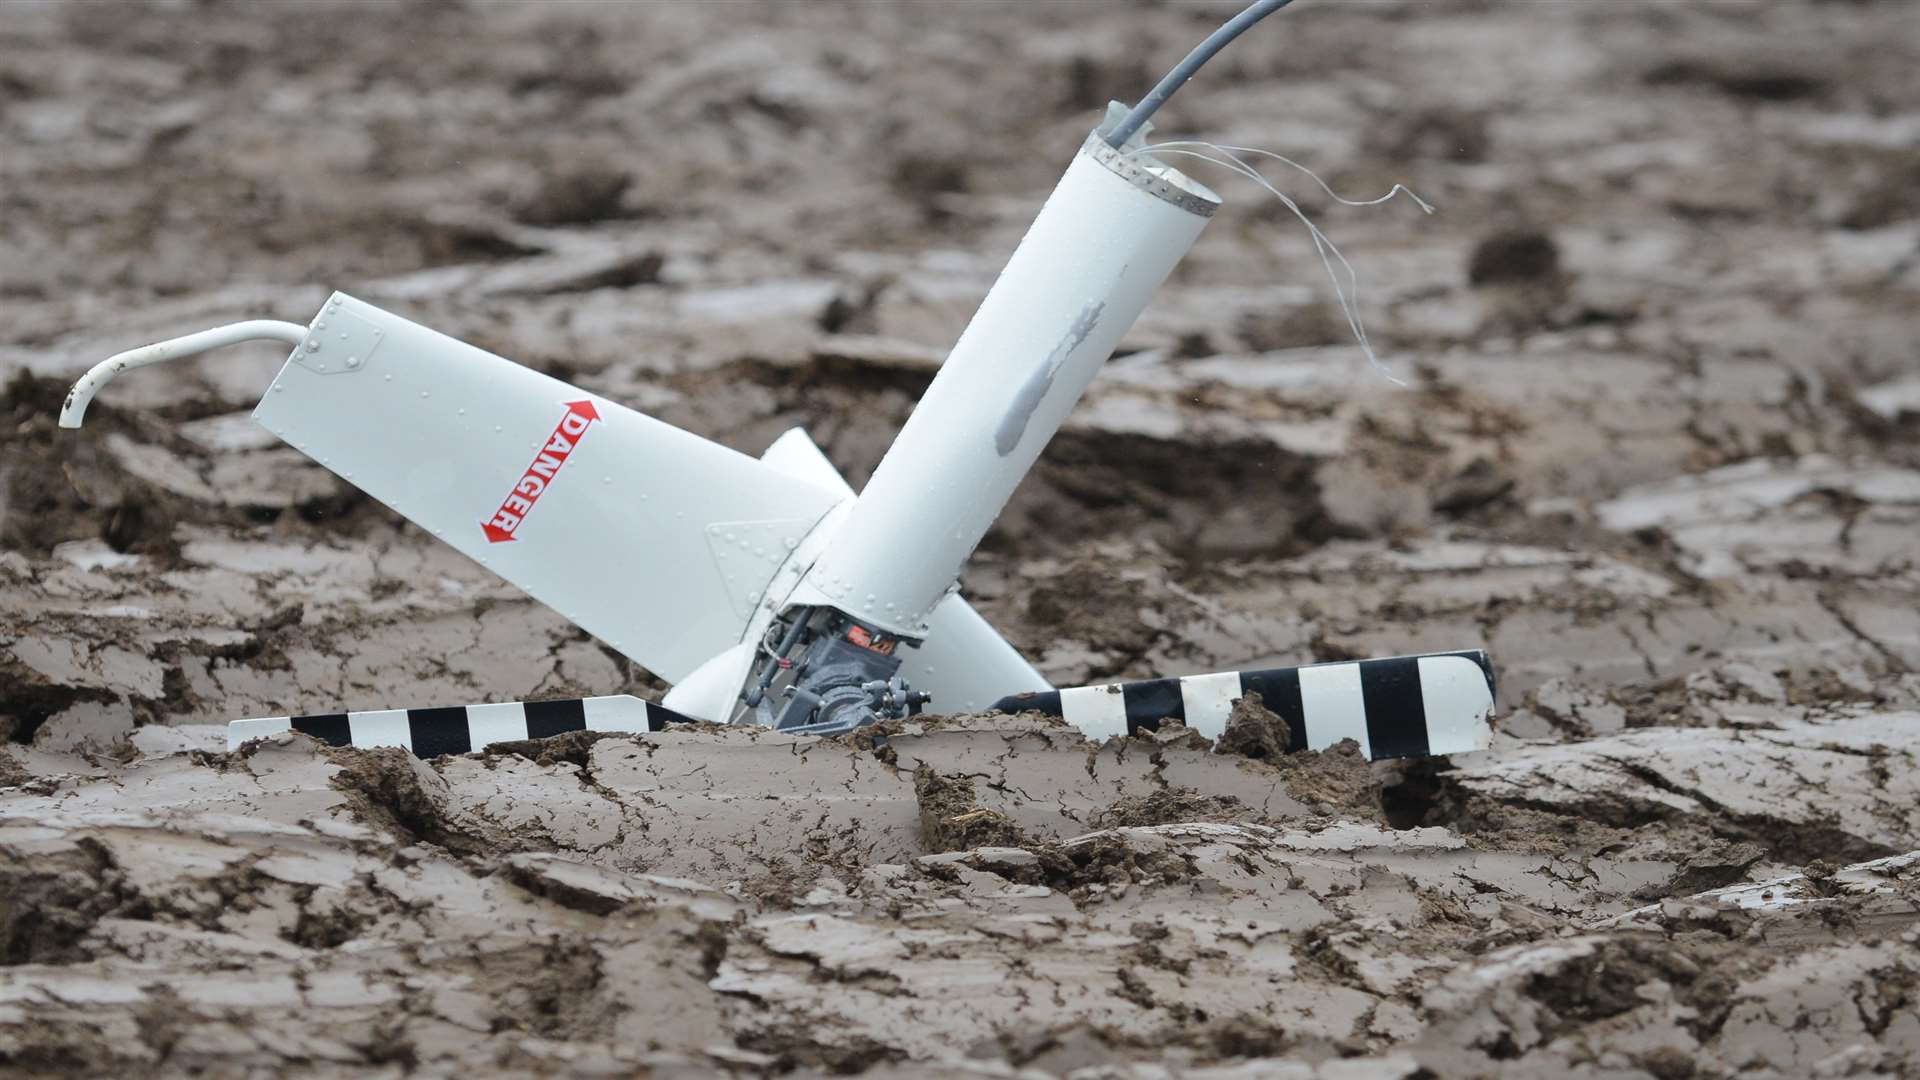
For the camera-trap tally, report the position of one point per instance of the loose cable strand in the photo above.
(1348, 294)
(1186, 68)
(1228, 148)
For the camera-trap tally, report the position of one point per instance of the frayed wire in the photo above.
(1349, 294)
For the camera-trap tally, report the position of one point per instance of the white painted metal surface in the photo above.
(595, 510)
(1207, 701)
(711, 692)
(1100, 712)
(504, 721)
(1334, 706)
(1459, 704)
(964, 662)
(1105, 240)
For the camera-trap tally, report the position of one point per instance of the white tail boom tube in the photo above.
(1107, 237)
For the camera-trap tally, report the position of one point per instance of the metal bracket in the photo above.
(339, 342)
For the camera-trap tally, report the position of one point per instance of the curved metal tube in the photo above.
(178, 348)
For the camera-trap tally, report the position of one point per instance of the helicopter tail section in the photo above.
(654, 540)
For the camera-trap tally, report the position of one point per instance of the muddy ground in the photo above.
(1659, 451)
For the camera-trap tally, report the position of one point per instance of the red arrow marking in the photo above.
(538, 476)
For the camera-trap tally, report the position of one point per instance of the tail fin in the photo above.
(463, 728)
(652, 539)
(1398, 707)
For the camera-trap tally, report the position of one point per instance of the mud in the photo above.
(1255, 731)
(952, 819)
(1659, 452)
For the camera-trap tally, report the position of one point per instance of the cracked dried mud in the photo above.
(1659, 452)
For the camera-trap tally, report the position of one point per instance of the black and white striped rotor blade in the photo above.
(460, 729)
(1396, 707)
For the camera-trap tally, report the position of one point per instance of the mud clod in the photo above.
(49, 903)
(1338, 779)
(952, 819)
(1255, 731)
(1170, 805)
(573, 747)
(394, 789)
(576, 194)
(52, 493)
(1515, 257)
(1759, 78)
(1113, 859)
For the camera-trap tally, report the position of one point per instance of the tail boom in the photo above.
(1110, 233)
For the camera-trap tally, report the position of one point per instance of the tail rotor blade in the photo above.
(462, 729)
(1394, 707)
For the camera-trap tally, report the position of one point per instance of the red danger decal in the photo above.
(538, 476)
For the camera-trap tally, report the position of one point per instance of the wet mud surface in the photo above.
(1658, 451)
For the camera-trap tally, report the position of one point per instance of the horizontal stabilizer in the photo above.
(1397, 707)
(652, 539)
(462, 729)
